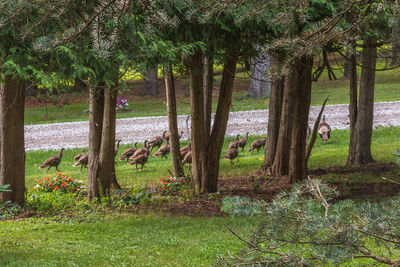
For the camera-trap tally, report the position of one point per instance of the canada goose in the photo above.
(128, 153)
(232, 153)
(242, 142)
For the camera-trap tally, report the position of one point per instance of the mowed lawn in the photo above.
(120, 240)
(387, 89)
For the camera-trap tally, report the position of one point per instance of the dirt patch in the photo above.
(375, 168)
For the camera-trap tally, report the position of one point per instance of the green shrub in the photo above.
(55, 202)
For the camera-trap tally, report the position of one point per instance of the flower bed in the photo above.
(59, 182)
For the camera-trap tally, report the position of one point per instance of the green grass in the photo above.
(387, 83)
(119, 240)
(385, 142)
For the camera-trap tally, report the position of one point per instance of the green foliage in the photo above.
(306, 226)
(55, 202)
(7, 208)
(397, 154)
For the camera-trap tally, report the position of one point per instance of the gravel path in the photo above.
(75, 134)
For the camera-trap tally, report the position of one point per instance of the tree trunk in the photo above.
(173, 123)
(106, 172)
(216, 140)
(96, 111)
(280, 164)
(12, 146)
(260, 84)
(275, 110)
(352, 63)
(151, 84)
(395, 55)
(197, 113)
(365, 112)
(208, 88)
(302, 75)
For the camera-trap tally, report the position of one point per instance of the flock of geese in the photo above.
(140, 156)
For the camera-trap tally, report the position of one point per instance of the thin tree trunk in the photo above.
(173, 123)
(275, 110)
(352, 63)
(96, 111)
(197, 113)
(12, 146)
(208, 88)
(151, 84)
(366, 105)
(280, 165)
(214, 146)
(106, 172)
(260, 84)
(302, 74)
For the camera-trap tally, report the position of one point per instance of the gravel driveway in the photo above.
(75, 134)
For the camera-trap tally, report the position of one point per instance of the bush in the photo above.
(307, 227)
(55, 202)
(157, 191)
(59, 182)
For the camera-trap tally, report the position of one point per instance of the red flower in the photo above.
(151, 186)
(64, 184)
(181, 181)
(69, 180)
(165, 182)
(155, 182)
(50, 184)
(62, 180)
(56, 187)
(163, 188)
(58, 173)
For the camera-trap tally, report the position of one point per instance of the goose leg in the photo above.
(48, 169)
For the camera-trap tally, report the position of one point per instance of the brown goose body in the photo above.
(257, 144)
(140, 159)
(128, 153)
(232, 153)
(185, 149)
(187, 159)
(52, 161)
(234, 142)
(243, 141)
(167, 135)
(83, 161)
(157, 141)
(140, 151)
(79, 155)
(162, 151)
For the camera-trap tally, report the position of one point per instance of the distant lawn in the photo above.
(387, 89)
(385, 142)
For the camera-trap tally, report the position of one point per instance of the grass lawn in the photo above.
(387, 89)
(119, 240)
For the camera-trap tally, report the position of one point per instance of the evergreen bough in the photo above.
(307, 226)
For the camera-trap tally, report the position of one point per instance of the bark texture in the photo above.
(216, 139)
(302, 72)
(208, 88)
(12, 147)
(260, 84)
(363, 132)
(280, 164)
(275, 110)
(197, 113)
(352, 63)
(177, 168)
(151, 84)
(96, 110)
